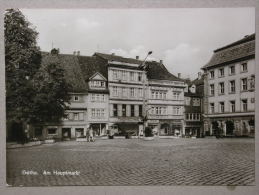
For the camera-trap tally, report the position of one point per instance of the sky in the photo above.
(183, 38)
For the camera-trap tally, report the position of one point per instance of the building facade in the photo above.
(229, 97)
(193, 107)
(112, 93)
(165, 104)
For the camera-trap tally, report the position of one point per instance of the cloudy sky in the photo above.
(183, 38)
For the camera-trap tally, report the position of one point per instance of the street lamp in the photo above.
(145, 83)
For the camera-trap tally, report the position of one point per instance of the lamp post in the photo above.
(144, 89)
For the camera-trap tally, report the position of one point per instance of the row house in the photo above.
(165, 101)
(193, 107)
(109, 92)
(229, 89)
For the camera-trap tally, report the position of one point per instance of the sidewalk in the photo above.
(11, 145)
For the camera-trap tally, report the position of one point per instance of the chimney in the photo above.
(179, 75)
(199, 75)
(161, 61)
(137, 57)
(78, 53)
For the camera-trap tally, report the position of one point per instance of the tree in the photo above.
(51, 92)
(22, 61)
(35, 92)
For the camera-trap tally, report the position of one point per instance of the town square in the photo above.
(159, 102)
(135, 162)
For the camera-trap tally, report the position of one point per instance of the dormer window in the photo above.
(97, 83)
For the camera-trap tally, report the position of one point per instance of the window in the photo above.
(176, 110)
(159, 110)
(232, 86)
(124, 92)
(187, 116)
(187, 101)
(252, 100)
(212, 108)
(221, 72)
(140, 92)
(232, 70)
(158, 94)
(176, 95)
(132, 92)
(164, 95)
(212, 74)
(222, 107)
(244, 67)
(139, 76)
(52, 131)
(123, 109)
(196, 102)
(221, 88)
(232, 106)
(97, 84)
(97, 97)
(115, 90)
(212, 89)
(76, 116)
(97, 112)
(76, 98)
(132, 110)
(115, 110)
(115, 74)
(244, 84)
(252, 83)
(132, 76)
(244, 105)
(140, 110)
(124, 75)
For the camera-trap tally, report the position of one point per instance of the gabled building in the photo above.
(111, 92)
(193, 107)
(165, 100)
(229, 101)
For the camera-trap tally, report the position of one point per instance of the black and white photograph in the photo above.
(130, 97)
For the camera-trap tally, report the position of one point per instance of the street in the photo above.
(134, 162)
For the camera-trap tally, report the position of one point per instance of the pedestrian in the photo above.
(87, 135)
(91, 135)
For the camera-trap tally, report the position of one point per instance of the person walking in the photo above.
(87, 135)
(91, 135)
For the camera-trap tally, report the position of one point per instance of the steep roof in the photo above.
(73, 73)
(155, 70)
(90, 65)
(158, 71)
(111, 57)
(241, 49)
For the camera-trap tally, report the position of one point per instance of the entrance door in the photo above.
(66, 133)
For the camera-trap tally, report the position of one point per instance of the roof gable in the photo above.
(97, 76)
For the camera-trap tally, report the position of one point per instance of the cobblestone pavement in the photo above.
(136, 162)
